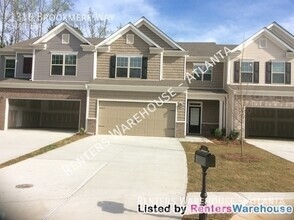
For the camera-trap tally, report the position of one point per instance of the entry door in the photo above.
(194, 119)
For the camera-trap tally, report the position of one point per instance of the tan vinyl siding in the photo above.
(216, 80)
(154, 37)
(253, 52)
(210, 112)
(119, 47)
(135, 96)
(173, 67)
(84, 59)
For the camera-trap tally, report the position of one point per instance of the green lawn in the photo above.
(257, 171)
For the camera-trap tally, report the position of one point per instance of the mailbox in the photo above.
(204, 157)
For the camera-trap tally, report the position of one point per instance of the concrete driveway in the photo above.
(99, 177)
(17, 142)
(281, 148)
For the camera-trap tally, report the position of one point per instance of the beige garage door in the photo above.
(115, 115)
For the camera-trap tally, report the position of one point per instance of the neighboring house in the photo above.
(262, 68)
(63, 80)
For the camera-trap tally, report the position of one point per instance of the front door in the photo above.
(194, 119)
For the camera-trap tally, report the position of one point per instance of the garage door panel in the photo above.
(269, 122)
(161, 122)
(43, 114)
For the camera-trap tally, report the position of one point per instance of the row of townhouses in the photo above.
(139, 81)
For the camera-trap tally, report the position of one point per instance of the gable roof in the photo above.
(158, 32)
(116, 35)
(62, 26)
(205, 49)
(264, 31)
(275, 24)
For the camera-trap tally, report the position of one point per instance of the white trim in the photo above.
(64, 65)
(129, 66)
(6, 114)
(266, 32)
(9, 57)
(134, 88)
(186, 111)
(87, 107)
(15, 69)
(272, 73)
(59, 28)
(161, 67)
(185, 67)
(220, 115)
(95, 65)
(33, 65)
(27, 55)
(63, 40)
(41, 86)
(97, 117)
(158, 32)
(274, 24)
(60, 52)
(260, 43)
(129, 27)
(174, 53)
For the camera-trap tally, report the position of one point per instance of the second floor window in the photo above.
(129, 67)
(247, 71)
(9, 67)
(63, 64)
(278, 72)
(202, 72)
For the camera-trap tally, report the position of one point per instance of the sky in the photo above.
(220, 21)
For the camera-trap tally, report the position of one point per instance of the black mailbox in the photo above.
(204, 157)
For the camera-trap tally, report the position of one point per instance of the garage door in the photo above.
(269, 122)
(43, 114)
(113, 115)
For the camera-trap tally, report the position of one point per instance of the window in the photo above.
(278, 72)
(129, 67)
(63, 64)
(247, 71)
(202, 72)
(27, 65)
(9, 67)
(130, 39)
(262, 43)
(65, 39)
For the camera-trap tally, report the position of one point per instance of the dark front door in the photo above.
(194, 119)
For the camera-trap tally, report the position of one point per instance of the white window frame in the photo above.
(202, 77)
(9, 58)
(252, 72)
(272, 71)
(129, 66)
(130, 39)
(65, 38)
(260, 45)
(63, 64)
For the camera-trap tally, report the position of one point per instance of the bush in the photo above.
(218, 133)
(82, 131)
(233, 135)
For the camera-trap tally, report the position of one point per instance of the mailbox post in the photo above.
(204, 158)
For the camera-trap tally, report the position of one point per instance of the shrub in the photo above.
(82, 131)
(218, 133)
(233, 135)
